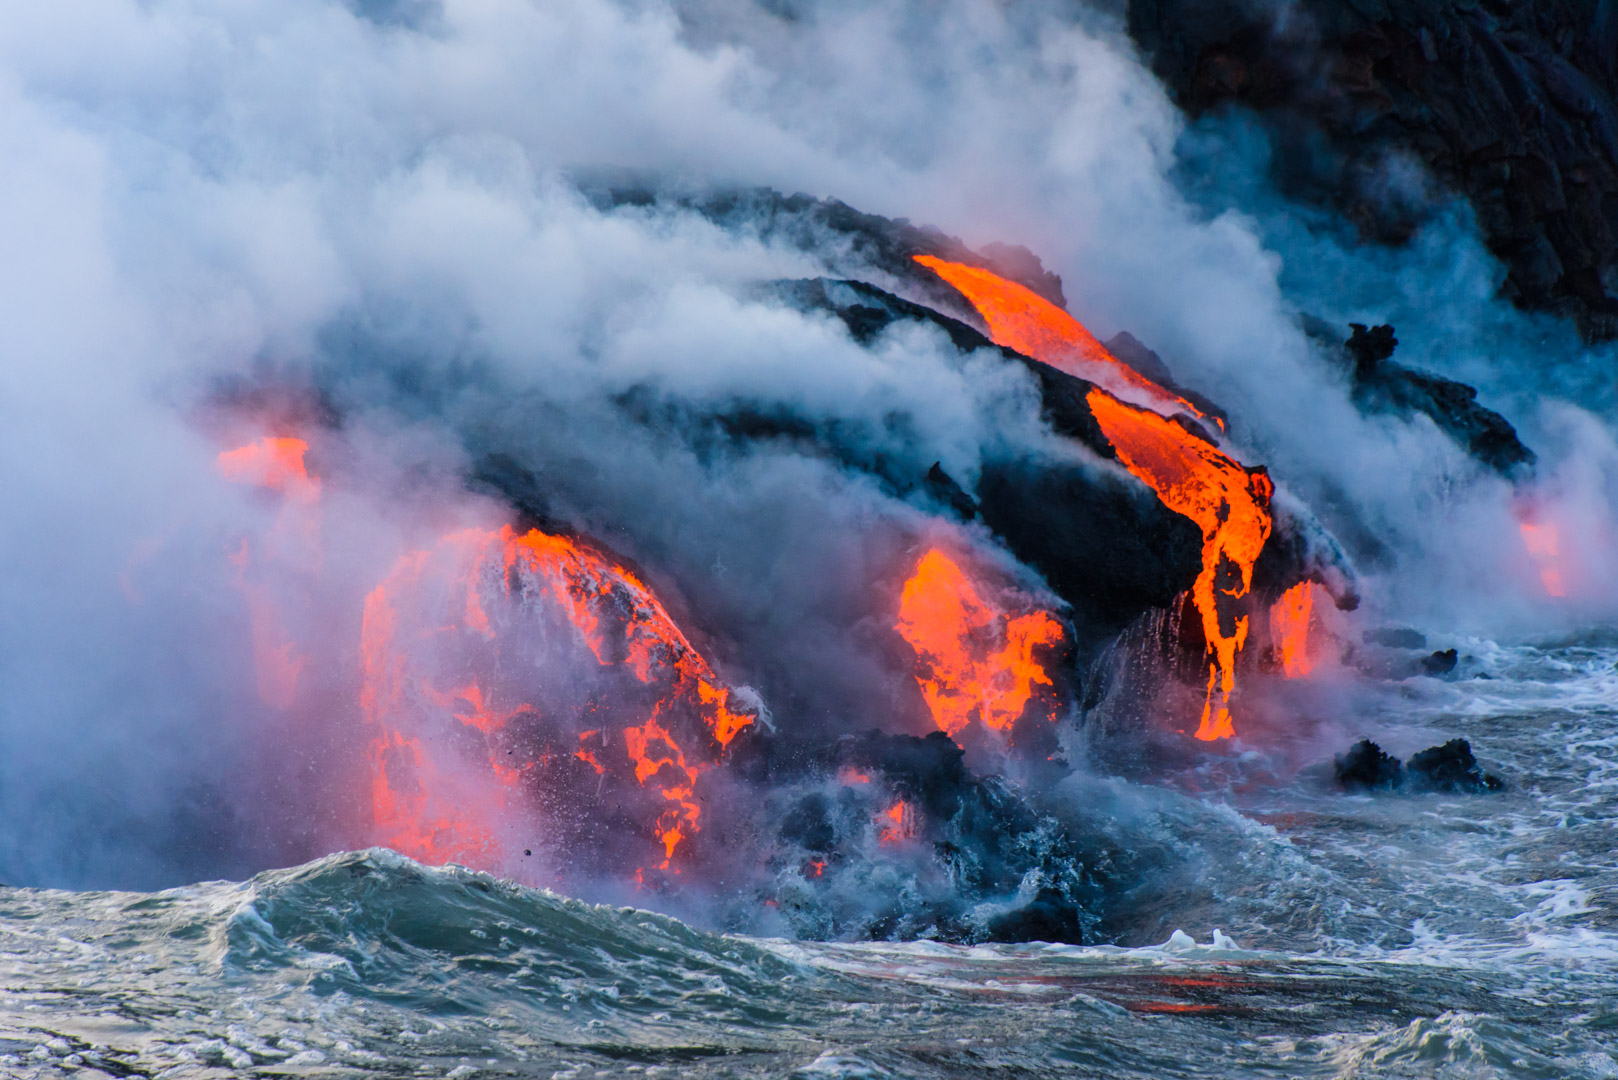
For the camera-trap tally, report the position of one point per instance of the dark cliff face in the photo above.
(1512, 104)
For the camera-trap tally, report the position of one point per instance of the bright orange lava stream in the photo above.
(979, 661)
(1230, 504)
(1021, 319)
(434, 808)
(1289, 629)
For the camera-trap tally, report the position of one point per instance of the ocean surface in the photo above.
(1317, 935)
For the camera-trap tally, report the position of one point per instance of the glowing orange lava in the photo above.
(1229, 503)
(898, 823)
(1021, 319)
(431, 798)
(977, 660)
(275, 463)
(1544, 544)
(1290, 617)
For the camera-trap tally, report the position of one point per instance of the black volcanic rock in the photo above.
(980, 835)
(1367, 768)
(1396, 637)
(827, 227)
(1381, 386)
(1513, 105)
(943, 488)
(1441, 662)
(1450, 768)
(1103, 541)
(1105, 545)
(1129, 349)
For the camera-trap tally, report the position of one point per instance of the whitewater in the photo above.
(1328, 935)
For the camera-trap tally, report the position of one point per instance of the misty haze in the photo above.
(769, 538)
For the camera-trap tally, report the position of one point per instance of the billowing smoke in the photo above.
(380, 228)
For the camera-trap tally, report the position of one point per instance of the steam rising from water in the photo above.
(370, 207)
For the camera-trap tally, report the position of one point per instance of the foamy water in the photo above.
(1320, 935)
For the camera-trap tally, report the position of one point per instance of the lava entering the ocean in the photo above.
(1193, 477)
(275, 463)
(584, 689)
(1544, 543)
(1229, 503)
(1290, 619)
(978, 660)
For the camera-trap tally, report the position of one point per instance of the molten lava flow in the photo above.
(1231, 506)
(898, 823)
(1021, 319)
(476, 605)
(1192, 477)
(275, 463)
(678, 778)
(1544, 544)
(1290, 617)
(978, 661)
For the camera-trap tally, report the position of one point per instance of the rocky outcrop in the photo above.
(851, 242)
(1450, 769)
(1381, 386)
(1102, 540)
(978, 842)
(1513, 105)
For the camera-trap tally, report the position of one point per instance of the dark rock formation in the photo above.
(1440, 663)
(1103, 541)
(1366, 768)
(944, 490)
(1127, 348)
(982, 837)
(1510, 104)
(1380, 386)
(1396, 637)
(858, 243)
(1449, 768)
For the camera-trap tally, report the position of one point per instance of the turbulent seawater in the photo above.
(1388, 935)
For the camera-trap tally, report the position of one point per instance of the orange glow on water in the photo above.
(1021, 319)
(1230, 504)
(1290, 618)
(977, 661)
